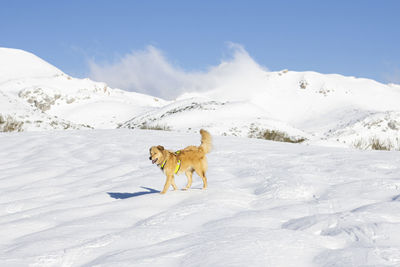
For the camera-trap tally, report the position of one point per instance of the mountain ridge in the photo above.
(319, 108)
(40, 88)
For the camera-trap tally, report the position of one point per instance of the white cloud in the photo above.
(148, 71)
(393, 76)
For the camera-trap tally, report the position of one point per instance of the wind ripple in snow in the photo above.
(268, 203)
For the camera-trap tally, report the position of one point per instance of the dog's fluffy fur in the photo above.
(193, 159)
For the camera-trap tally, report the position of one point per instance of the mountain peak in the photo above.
(19, 64)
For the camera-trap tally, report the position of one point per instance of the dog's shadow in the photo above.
(136, 194)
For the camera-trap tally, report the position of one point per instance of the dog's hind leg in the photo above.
(174, 184)
(202, 174)
(189, 174)
(167, 184)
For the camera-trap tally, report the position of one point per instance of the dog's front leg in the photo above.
(167, 184)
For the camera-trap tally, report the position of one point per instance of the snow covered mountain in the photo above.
(330, 109)
(35, 95)
(239, 98)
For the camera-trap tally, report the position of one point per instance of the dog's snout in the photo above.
(149, 158)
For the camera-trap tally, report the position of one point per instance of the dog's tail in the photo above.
(206, 141)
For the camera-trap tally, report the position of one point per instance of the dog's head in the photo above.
(156, 154)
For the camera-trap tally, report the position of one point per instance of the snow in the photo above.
(221, 118)
(322, 108)
(90, 198)
(39, 87)
(17, 64)
(236, 98)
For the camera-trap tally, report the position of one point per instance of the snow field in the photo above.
(90, 198)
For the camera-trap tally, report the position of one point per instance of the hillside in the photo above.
(324, 109)
(91, 198)
(30, 89)
(238, 98)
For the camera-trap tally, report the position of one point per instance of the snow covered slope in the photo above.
(239, 98)
(42, 88)
(305, 105)
(237, 118)
(16, 115)
(90, 198)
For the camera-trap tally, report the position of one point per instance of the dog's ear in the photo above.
(161, 148)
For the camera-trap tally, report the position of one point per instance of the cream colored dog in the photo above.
(188, 160)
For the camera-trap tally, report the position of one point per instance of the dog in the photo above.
(188, 160)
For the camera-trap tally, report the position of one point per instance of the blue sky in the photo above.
(356, 38)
